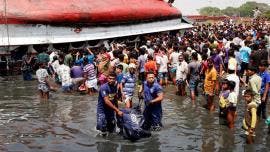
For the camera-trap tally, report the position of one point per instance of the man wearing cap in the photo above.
(128, 84)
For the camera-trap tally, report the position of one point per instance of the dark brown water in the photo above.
(67, 123)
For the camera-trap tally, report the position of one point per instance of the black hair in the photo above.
(246, 43)
(112, 74)
(121, 57)
(231, 71)
(204, 56)
(55, 58)
(194, 56)
(252, 68)
(231, 53)
(225, 81)
(150, 72)
(142, 50)
(120, 66)
(85, 60)
(231, 85)
(150, 57)
(115, 53)
(264, 63)
(61, 58)
(249, 92)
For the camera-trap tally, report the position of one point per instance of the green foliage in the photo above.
(245, 10)
(267, 14)
(230, 11)
(210, 11)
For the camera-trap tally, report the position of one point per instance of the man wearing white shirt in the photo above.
(173, 62)
(162, 63)
(181, 75)
(63, 71)
(233, 77)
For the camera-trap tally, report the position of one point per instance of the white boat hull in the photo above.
(26, 34)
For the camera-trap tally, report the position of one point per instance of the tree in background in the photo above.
(245, 10)
(267, 14)
(230, 11)
(210, 11)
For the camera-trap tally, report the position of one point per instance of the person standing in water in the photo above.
(153, 96)
(181, 75)
(43, 84)
(193, 75)
(107, 106)
(264, 91)
(128, 84)
(209, 84)
(250, 118)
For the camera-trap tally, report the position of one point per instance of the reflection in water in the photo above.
(208, 138)
(106, 147)
(67, 123)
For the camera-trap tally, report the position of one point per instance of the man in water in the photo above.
(128, 85)
(193, 76)
(107, 105)
(209, 84)
(153, 95)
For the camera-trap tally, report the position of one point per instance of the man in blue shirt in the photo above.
(88, 54)
(264, 88)
(107, 105)
(245, 52)
(153, 97)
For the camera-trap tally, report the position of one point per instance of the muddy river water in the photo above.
(67, 124)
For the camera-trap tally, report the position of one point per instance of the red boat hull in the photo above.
(84, 11)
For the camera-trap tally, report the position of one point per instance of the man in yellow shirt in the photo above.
(209, 84)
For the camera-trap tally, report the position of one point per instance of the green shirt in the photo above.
(43, 58)
(68, 60)
(125, 67)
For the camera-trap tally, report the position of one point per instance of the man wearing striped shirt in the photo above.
(90, 76)
(128, 84)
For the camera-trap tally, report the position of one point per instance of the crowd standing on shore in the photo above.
(220, 57)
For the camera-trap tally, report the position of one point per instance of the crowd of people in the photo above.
(221, 57)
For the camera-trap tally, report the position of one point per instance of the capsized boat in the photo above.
(24, 22)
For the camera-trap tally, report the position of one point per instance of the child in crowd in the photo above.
(231, 105)
(250, 118)
(119, 77)
(223, 97)
(43, 84)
